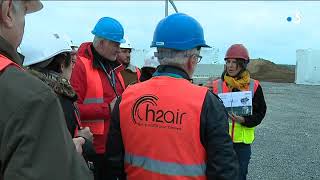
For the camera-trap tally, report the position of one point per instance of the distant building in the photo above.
(308, 67)
(209, 55)
(205, 71)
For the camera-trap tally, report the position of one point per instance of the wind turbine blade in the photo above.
(173, 5)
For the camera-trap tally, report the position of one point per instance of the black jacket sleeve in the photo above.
(68, 110)
(259, 109)
(115, 154)
(222, 162)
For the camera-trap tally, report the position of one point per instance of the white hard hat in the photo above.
(41, 47)
(150, 60)
(126, 45)
(69, 41)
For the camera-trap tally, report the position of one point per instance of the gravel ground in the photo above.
(287, 144)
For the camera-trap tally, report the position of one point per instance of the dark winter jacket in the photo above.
(67, 97)
(34, 141)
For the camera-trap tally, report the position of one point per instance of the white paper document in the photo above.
(239, 103)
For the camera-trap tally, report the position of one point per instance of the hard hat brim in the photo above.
(206, 46)
(107, 38)
(177, 47)
(28, 62)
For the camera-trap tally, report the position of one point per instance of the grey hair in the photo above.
(175, 57)
(96, 40)
(16, 4)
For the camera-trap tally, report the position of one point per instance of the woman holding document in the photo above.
(244, 101)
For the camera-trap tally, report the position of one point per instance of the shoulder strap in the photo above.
(220, 85)
(252, 86)
(5, 62)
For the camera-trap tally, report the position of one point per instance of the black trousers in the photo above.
(243, 152)
(99, 167)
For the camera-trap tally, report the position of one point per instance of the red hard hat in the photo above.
(237, 51)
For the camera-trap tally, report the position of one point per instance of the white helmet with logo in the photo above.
(39, 48)
(127, 44)
(150, 60)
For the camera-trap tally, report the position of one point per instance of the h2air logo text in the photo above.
(146, 111)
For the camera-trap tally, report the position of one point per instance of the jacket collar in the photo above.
(59, 84)
(106, 62)
(87, 51)
(7, 50)
(171, 71)
(132, 68)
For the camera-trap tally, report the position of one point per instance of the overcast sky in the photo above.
(262, 26)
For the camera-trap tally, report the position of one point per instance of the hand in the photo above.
(113, 102)
(78, 142)
(86, 133)
(238, 119)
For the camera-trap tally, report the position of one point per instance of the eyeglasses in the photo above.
(198, 57)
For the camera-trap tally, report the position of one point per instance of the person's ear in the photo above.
(7, 17)
(62, 67)
(191, 62)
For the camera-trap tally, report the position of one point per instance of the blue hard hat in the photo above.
(110, 29)
(178, 31)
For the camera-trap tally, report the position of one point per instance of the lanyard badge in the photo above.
(111, 79)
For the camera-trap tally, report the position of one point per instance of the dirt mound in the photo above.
(264, 70)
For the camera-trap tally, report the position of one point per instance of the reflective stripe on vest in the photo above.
(167, 168)
(241, 134)
(94, 95)
(93, 100)
(5, 62)
(161, 138)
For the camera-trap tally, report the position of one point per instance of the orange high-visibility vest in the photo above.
(6, 62)
(238, 132)
(138, 74)
(94, 94)
(160, 127)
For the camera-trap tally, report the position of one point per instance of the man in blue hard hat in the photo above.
(96, 80)
(166, 127)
